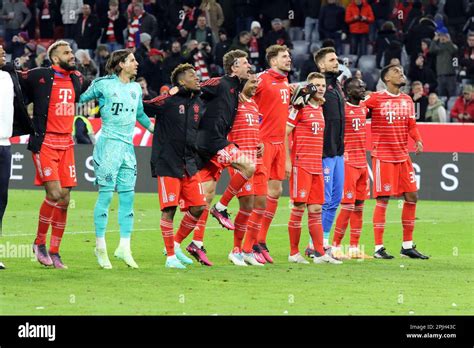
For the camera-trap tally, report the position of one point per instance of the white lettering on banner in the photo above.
(417, 176)
(454, 179)
(89, 165)
(145, 138)
(16, 157)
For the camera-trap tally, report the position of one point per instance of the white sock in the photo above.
(220, 206)
(311, 245)
(125, 244)
(100, 243)
(336, 248)
(407, 245)
(377, 247)
(177, 245)
(171, 257)
(198, 243)
(353, 249)
(325, 242)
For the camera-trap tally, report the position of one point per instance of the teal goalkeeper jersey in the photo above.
(120, 107)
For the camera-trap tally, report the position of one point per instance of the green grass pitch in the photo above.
(442, 285)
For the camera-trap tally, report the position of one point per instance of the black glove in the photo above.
(302, 95)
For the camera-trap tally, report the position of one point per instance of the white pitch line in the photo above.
(22, 234)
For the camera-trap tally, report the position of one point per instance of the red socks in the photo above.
(254, 225)
(316, 231)
(167, 232)
(235, 184)
(294, 229)
(44, 220)
(58, 225)
(240, 227)
(379, 221)
(201, 226)
(356, 224)
(342, 222)
(408, 220)
(272, 204)
(187, 225)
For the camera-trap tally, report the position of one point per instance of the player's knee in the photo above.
(197, 211)
(275, 191)
(246, 203)
(168, 213)
(260, 202)
(315, 208)
(54, 195)
(249, 169)
(299, 206)
(411, 197)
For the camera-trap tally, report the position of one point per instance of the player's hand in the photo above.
(287, 168)
(260, 149)
(151, 129)
(241, 98)
(418, 147)
(293, 87)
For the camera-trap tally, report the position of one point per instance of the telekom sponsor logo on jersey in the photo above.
(315, 127)
(395, 110)
(65, 94)
(356, 124)
(66, 106)
(284, 95)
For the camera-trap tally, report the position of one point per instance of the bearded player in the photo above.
(273, 100)
(54, 93)
(393, 120)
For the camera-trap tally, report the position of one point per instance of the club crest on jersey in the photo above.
(47, 171)
(133, 94)
(349, 195)
(248, 187)
(181, 109)
(327, 171)
(171, 197)
(302, 193)
(387, 187)
(108, 177)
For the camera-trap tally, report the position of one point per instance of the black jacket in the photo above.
(36, 85)
(22, 123)
(221, 96)
(334, 117)
(174, 140)
(88, 39)
(331, 18)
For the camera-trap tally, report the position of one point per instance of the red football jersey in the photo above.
(245, 131)
(393, 119)
(354, 135)
(273, 100)
(61, 111)
(308, 138)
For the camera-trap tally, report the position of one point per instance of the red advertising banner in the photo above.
(437, 137)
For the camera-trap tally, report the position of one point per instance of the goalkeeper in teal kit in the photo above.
(115, 165)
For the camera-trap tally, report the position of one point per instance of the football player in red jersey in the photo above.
(356, 176)
(273, 99)
(54, 92)
(393, 120)
(245, 133)
(304, 168)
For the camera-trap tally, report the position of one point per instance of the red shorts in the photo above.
(274, 159)
(257, 185)
(55, 165)
(393, 179)
(221, 160)
(306, 187)
(186, 192)
(356, 184)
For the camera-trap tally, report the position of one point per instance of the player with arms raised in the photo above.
(393, 120)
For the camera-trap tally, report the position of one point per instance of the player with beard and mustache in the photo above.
(54, 93)
(115, 165)
(393, 120)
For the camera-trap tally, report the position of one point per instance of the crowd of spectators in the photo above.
(432, 39)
